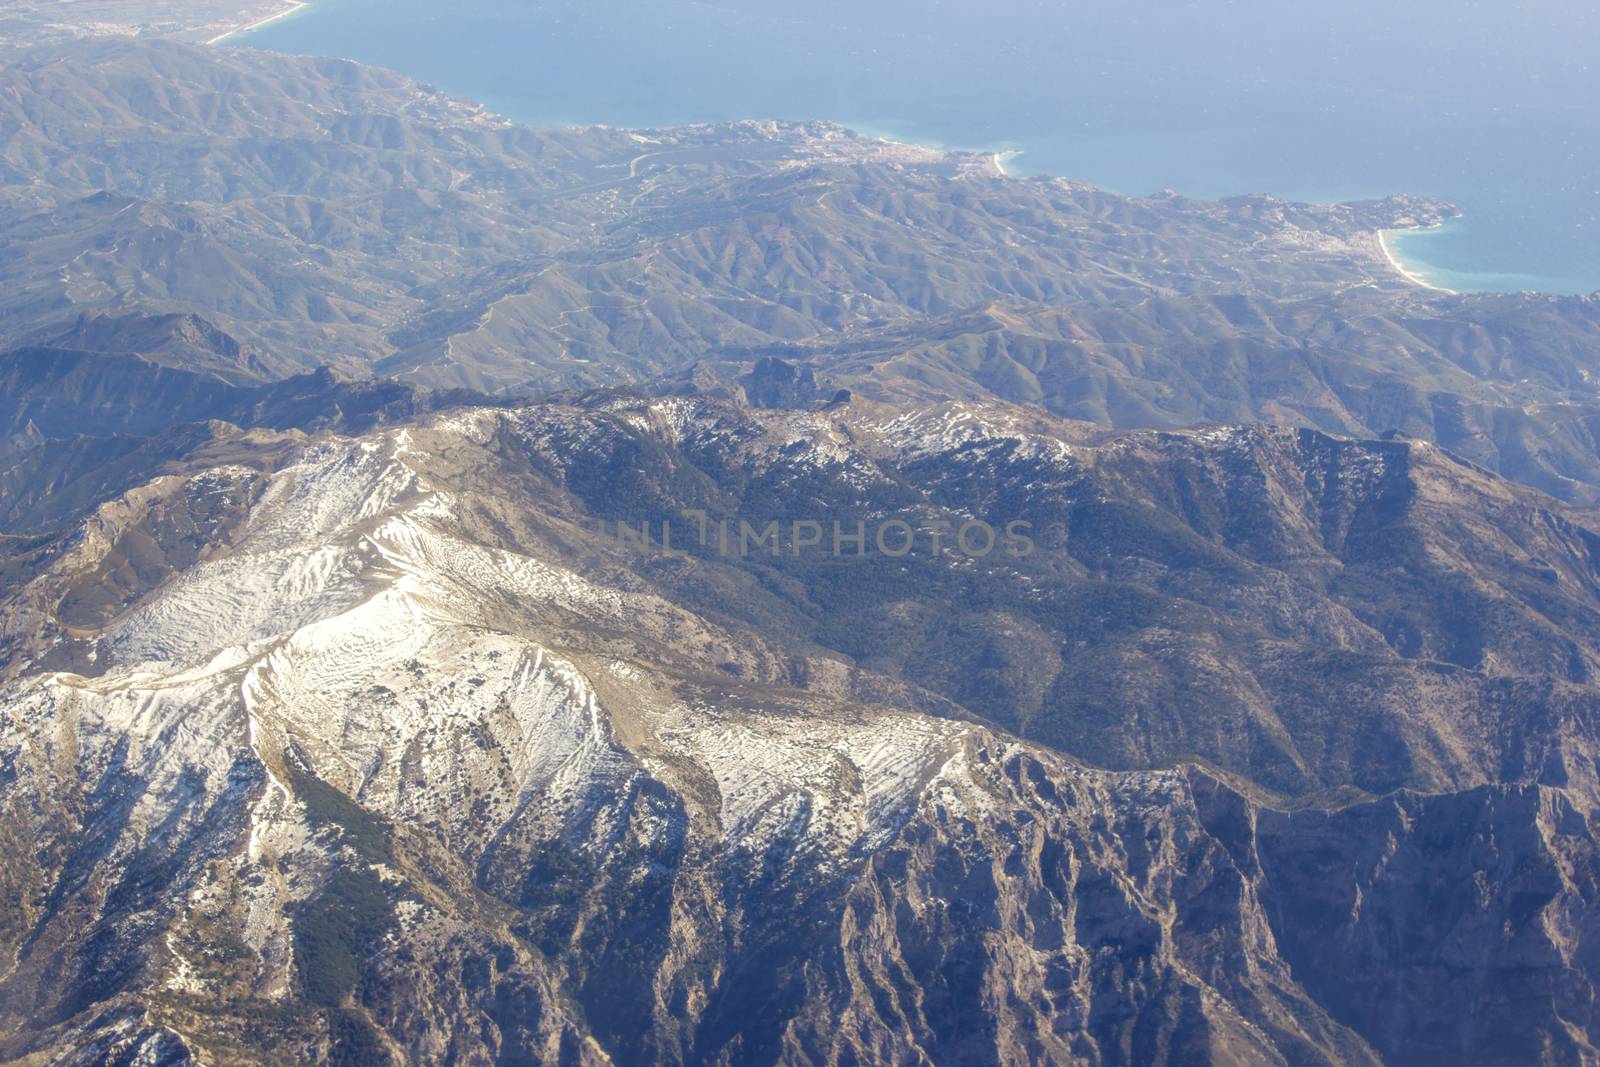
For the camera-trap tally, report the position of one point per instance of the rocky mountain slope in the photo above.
(386, 748)
(758, 595)
(302, 212)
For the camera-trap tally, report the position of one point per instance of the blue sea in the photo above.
(1487, 105)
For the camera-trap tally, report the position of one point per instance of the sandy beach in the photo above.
(1400, 268)
(1004, 157)
(285, 13)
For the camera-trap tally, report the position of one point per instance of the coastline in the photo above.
(1399, 266)
(294, 6)
(1003, 157)
(998, 157)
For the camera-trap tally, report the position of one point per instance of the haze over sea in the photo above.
(1487, 105)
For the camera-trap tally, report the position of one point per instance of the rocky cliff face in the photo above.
(943, 619)
(373, 749)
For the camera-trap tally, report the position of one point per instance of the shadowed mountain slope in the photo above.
(316, 212)
(387, 746)
(931, 618)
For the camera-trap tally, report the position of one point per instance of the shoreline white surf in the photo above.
(1003, 157)
(294, 8)
(998, 157)
(1399, 265)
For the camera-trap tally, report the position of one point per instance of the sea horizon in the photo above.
(553, 64)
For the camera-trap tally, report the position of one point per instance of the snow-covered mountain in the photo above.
(944, 618)
(385, 751)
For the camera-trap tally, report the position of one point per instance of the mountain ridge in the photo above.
(758, 594)
(535, 261)
(656, 813)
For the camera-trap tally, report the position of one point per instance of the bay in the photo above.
(1486, 106)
